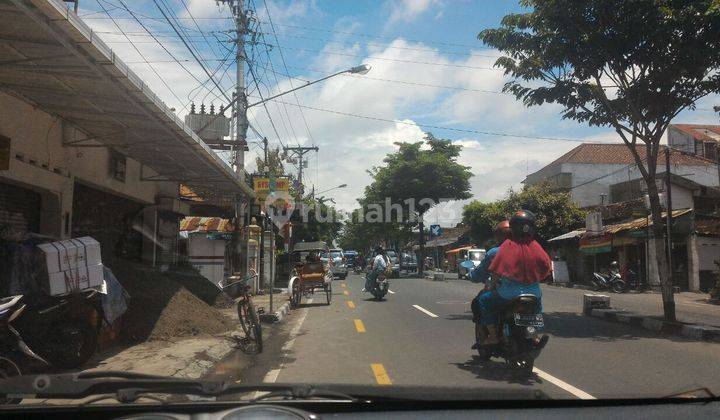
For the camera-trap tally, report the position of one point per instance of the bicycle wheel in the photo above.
(255, 328)
(244, 315)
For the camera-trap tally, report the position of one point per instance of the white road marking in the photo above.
(421, 309)
(271, 376)
(564, 385)
(391, 292)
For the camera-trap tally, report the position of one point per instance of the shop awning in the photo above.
(641, 223)
(51, 59)
(462, 248)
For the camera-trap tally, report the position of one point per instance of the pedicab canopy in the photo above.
(310, 246)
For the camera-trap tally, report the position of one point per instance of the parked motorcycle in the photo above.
(62, 330)
(380, 287)
(611, 281)
(518, 341)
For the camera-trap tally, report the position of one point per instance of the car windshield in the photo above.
(476, 255)
(172, 173)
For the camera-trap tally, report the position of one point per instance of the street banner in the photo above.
(264, 186)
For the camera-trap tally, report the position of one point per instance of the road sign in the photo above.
(435, 230)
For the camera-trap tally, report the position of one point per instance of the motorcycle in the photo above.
(612, 281)
(63, 330)
(380, 287)
(518, 341)
(634, 282)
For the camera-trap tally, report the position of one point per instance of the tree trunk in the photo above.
(666, 285)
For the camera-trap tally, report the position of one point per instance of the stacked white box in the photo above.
(72, 265)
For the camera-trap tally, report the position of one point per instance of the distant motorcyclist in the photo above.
(520, 264)
(379, 265)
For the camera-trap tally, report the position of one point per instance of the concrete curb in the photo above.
(277, 316)
(694, 331)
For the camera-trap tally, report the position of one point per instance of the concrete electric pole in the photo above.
(300, 151)
(241, 121)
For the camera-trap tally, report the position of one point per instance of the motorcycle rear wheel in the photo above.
(70, 345)
(618, 286)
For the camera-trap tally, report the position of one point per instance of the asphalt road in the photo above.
(422, 333)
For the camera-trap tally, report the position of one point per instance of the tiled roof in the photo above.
(699, 131)
(618, 153)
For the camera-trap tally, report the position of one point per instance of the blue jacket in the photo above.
(480, 273)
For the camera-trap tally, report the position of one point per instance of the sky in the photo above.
(429, 72)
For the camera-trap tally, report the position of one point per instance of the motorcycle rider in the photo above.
(480, 273)
(378, 266)
(520, 264)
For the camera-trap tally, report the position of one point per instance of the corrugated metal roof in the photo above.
(709, 227)
(206, 224)
(641, 223)
(570, 235)
(51, 59)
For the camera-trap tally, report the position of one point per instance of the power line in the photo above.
(282, 57)
(462, 130)
(397, 60)
(175, 59)
(191, 51)
(197, 26)
(141, 54)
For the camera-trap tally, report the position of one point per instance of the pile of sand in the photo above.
(162, 307)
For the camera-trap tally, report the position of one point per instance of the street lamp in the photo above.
(333, 188)
(361, 69)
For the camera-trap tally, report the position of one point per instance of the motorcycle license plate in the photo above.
(533, 320)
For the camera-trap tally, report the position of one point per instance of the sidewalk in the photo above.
(690, 307)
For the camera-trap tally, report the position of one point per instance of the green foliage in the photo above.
(555, 211)
(324, 226)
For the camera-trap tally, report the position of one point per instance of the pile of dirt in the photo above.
(162, 308)
(201, 287)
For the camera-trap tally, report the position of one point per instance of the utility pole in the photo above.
(668, 217)
(299, 152)
(241, 121)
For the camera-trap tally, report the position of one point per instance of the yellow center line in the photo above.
(350, 304)
(343, 285)
(381, 376)
(346, 293)
(359, 326)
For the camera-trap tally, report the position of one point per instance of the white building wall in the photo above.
(708, 252)
(598, 178)
(39, 160)
(207, 256)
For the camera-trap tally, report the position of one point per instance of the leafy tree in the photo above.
(274, 165)
(632, 65)
(418, 176)
(323, 223)
(555, 211)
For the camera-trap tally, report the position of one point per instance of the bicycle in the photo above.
(249, 320)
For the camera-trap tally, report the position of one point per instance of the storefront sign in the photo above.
(265, 186)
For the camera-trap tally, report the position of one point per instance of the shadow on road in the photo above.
(492, 370)
(574, 325)
(467, 316)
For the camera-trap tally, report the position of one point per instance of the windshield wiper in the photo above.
(129, 386)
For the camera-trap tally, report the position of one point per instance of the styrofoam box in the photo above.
(83, 277)
(70, 253)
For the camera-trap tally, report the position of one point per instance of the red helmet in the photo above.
(502, 230)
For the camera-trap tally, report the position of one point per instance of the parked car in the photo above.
(394, 262)
(408, 261)
(474, 255)
(339, 263)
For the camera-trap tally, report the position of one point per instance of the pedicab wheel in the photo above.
(295, 297)
(328, 292)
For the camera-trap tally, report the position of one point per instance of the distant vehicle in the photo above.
(408, 261)
(474, 255)
(352, 259)
(394, 262)
(338, 263)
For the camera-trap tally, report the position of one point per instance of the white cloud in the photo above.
(408, 10)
